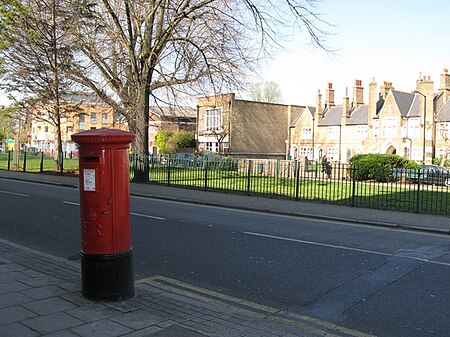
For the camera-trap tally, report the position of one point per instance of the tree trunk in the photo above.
(138, 120)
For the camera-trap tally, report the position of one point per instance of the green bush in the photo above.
(437, 161)
(378, 167)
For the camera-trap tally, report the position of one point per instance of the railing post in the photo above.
(249, 176)
(206, 175)
(24, 161)
(297, 178)
(418, 192)
(41, 164)
(168, 170)
(9, 160)
(353, 171)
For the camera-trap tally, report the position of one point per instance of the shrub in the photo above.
(378, 167)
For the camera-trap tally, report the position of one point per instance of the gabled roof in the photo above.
(309, 109)
(332, 116)
(443, 115)
(359, 116)
(414, 108)
(403, 100)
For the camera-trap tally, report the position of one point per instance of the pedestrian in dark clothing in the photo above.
(326, 166)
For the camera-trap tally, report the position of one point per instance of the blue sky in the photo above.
(392, 41)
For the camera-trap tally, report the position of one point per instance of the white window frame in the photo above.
(333, 132)
(333, 153)
(213, 119)
(307, 132)
(93, 117)
(104, 118)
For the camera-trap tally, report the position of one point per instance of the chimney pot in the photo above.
(330, 85)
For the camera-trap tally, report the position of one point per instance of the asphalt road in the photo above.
(375, 280)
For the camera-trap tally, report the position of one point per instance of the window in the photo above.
(69, 130)
(443, 131)
(306, 152)
(413, 128)
(213, 120)
(212, 146)
(332, 153)
(416, 154)
(389, 127)
(376, 124)
(81, 122)
(362, 131)
(93, 118)
(333, 132)
(105, 118)
(46, 128)
(306, 133)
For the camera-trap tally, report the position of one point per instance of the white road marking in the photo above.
(318, 244)
(148, 216)
(135, 214)
(14, 193)
(347, 248)
(71, 203)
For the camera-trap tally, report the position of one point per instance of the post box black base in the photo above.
(107, 277)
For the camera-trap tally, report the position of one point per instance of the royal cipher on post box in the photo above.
(106, 250)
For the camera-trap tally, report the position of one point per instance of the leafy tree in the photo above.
(6, 123)
(170, 142)
(267, 91)
(36, 55)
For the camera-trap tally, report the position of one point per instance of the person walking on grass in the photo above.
(326, 166)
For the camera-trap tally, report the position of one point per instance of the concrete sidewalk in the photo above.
(40, 295)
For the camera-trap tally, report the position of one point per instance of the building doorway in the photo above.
(391, 150)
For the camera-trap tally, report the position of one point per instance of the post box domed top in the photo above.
(103, 136)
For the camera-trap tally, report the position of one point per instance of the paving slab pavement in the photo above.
(161, 307)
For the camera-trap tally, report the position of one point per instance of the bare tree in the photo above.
(267, 91)
(36, 55)
(132, 52)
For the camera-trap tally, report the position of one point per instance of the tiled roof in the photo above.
(443, 115)
(165, 111)
(403, 101)
(359, 116)
(311, 110)
(414, 108)
(82, 98)
(332, 116)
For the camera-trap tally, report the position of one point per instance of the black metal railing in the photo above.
(424, 191)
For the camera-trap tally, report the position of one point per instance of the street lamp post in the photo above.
(424, 122)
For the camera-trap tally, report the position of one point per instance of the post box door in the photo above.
(96, 203)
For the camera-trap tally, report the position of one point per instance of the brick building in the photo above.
(414, 124)
(244, 128)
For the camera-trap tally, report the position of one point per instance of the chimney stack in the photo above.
(373, 100)
(385, 88)
(345, 109)
(358, 94)
(319, 111)
(445, 84)
(329, 97)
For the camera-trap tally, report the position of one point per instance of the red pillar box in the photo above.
(106, 251)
